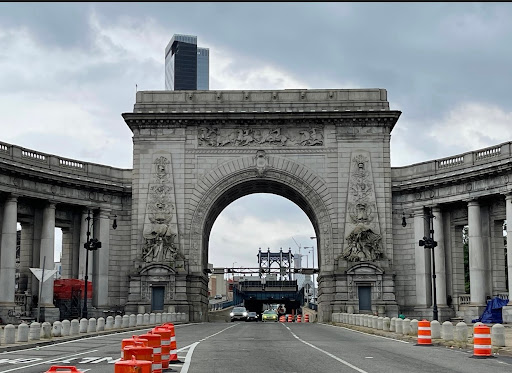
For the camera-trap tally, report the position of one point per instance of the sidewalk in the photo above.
(44, 342)
(507, 350)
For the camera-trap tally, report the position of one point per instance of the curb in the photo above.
(31, 344)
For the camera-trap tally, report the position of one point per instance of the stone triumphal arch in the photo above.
(195, 152)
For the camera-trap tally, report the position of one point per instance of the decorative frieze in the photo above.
(271, 136)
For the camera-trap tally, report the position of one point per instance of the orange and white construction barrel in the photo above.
(290, 318)
(173, 354)
(306, 318)
(133, 366)
(132, 342)
(482, 346)
(424, 333)
(63, 369)
(166, 335)
(299, 318)
(155, 342)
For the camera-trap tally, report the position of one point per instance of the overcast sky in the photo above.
(68, 71)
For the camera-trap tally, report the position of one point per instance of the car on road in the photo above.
(269, 315)
(238, 313)
(252, 316)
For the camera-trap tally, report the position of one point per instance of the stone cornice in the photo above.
(384, 118)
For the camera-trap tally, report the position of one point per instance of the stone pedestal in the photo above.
(49, 314)
(507, 314)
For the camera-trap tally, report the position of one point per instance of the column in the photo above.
(100, 285)
(26, 243)
(476, 255)
(439, 256)
(508, 204)
(8, 250)
(422, 261)
(47, 253)
(82, 251)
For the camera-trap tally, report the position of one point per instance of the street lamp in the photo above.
(90, 245)
(429, 243)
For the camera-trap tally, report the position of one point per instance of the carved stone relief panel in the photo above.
(160, 231)
(209, 136)
(363, 241)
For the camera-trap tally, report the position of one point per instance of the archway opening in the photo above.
(274, 221)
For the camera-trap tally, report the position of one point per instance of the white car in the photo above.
(238, 313)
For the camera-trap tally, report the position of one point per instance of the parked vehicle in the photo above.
(269, 315)
(238, 313)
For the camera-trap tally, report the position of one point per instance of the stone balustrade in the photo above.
(45, 331)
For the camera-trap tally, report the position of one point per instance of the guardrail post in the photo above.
(386, 321)
(74, 327)
(126, 321)
(436, 329)
(414, 327)
(118, 322)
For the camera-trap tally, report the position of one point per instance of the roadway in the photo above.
(262, 347)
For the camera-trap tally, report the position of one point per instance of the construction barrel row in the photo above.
(150, 352)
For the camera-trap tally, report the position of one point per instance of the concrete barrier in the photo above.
(398, 325)
(140, 319)
(386, 321)
(46, 330)
(66, 325)
(414, 327)
(118, 322)
(57, 329)
(84, 323)
(100, 325)
(132, 320)
(74, 327)
(406, 326)
(461, 332)
(435, 329)
(145, 319)
(34, 332)
(158, 318)
(91, 327)
(498, 335)
(447, 331)
(379, 322)
(173, 317)
(109, 324)
(23, 332)
(374, 322)
(126, 321)
(9, 334)
(392, 324)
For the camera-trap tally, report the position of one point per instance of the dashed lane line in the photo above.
(46, 362)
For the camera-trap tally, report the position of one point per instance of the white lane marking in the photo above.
(192, 346)
(327, 353)
(46, 362)
(81, 339)
(368, 334)
(188, 358)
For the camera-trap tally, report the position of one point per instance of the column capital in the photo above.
(12, 197)
(472, 202)
(508, 196)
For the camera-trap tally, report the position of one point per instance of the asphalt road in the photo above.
(262, 347)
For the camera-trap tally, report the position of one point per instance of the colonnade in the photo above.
(480, 267)
(37, 246)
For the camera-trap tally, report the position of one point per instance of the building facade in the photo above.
(186, 65)
(328, 151)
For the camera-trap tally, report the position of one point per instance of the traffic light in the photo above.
(92, 244)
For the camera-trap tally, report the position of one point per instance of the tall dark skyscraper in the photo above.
(186, 65)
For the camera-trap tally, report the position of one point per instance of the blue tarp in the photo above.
(492, 313)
